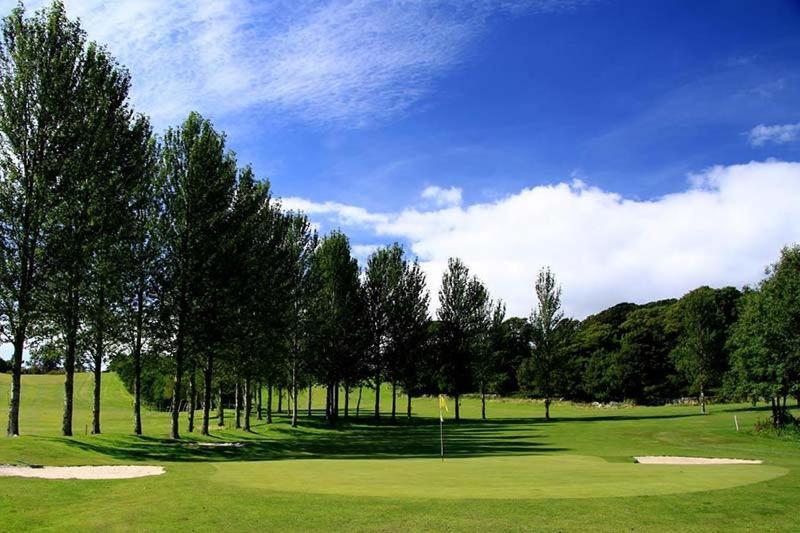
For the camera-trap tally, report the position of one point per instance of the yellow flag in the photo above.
(442, 405)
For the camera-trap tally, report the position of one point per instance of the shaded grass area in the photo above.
(512, 472)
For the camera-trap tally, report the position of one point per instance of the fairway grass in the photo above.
(512, 472)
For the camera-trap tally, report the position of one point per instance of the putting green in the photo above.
(521, 477)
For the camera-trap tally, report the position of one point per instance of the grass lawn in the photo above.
(511, 472)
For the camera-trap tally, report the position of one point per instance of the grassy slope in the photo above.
(511, 472)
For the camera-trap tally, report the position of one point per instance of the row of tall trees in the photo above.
(162, 256)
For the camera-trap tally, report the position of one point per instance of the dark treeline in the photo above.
(164, 259)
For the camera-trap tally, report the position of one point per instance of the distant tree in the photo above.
(513, 349)
(408, 330)
(488, 353)
(700, 353)
(642, 366)
(766, 338)
(551, 333)
(382, 279)
(464, 312)
(301, 241)
(336, 313)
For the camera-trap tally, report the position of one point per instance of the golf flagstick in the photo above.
(442, 405)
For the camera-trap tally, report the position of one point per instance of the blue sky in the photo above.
(631, 95)
(640, 148)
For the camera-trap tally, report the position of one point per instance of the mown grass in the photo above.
(511, 472)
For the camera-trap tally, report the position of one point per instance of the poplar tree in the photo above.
(336, 312)
(408, 328)
(198, 176)
(138, 308)
(36, 118)
(464, 308)
(381, 282)
(551, 333)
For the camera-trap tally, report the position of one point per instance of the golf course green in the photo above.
(513, 471)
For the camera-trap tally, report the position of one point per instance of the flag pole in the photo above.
(442, 404)
(441, 433)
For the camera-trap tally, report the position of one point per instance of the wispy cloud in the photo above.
(335, 213)
(727, 225)
(776, 134)
(345, 61)
(442, 197)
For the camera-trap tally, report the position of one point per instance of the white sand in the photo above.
(81, 472)
(219, 444)
(674, 460)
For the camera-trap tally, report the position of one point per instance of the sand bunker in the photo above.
(219, 444)
(81, 472)
(674, 460)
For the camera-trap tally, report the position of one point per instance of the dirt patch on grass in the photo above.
(81, 472)
(675, 460)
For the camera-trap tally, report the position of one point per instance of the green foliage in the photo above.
(766, 339)
(704, 317)
(464, 315)
(198, 175)
(397, 316)
(337, 312)
(545, 372)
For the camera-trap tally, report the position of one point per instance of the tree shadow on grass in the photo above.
(350, 439)
(618, 418)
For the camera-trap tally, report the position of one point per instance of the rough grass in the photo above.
(512, 472)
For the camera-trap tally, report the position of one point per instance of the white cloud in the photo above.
(337, 213)
(442, 197)
(723, 230)
(363, 251)
(343, 61)
(777, 134)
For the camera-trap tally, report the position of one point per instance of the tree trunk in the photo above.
(258, 403)
(358, 405)
(394, 401)
(702, 400)
(137, 364)
(69, 369)
(176, 390)
(296, 407)
(310, 391)
(347, 400)
(269, 405)
(327, 402)
(547, 408)
(207, 384)
(483, 402)
(458, 413)
(377, 395)
(98, 377)
(238, 404)
(280, 399)
(99, 355)
(220, 410)
(16, 375)
(294, 394)
(247, 404)
(192, 398)
(336, 400)
(408, 407)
